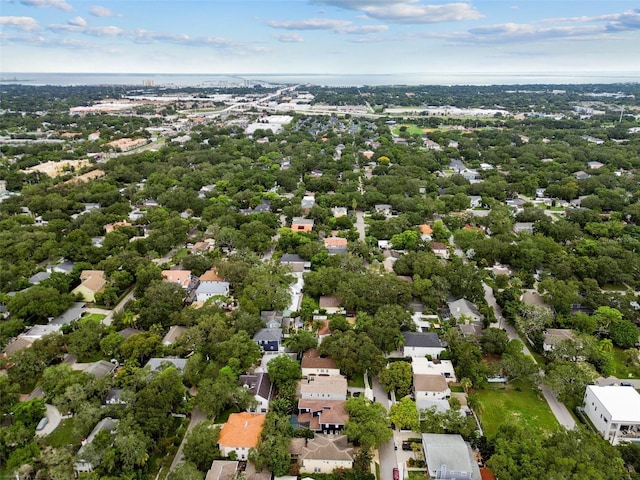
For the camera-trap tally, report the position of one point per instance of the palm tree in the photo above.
(466, 384)
(605, 345)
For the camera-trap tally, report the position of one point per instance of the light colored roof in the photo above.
(553, 336)
(430, 383)
(241, 430)
(17, 345)
(268, 335)
(93, 280)
(312, 359)
(463, 307)
(623, 403)
(222, 470)
(100, 369)
(325, 447)
(437, 246)
(213, 288)
(173, 334)
(156, 363)
(422, 365)
(334, 384)
(302, 221)
(449, 451)
(182, 277)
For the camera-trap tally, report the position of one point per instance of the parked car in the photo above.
(396, 474)
(406, 446)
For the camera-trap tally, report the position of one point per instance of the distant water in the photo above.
(204, 80)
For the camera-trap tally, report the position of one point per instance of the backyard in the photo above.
(517, 403)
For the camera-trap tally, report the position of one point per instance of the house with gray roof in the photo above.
(449, 457)
(74, 312)
(82, 464)
(421, 344)
(269, 339)
(207, 290)
(155, 364)
(463, 308)
(260, 386)
(39, 277)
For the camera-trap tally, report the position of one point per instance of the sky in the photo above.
(319, 36)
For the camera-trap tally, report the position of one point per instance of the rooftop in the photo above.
(242, 430)
(623, 403)
(450, 452)
(312, 359)
(430, 383)
(421, 339)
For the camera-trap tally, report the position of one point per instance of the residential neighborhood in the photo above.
(297, 281)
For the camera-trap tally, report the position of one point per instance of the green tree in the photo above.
(282, 370)
(569, 379)
(186, 471)
(201, 445)
(301, 341)
(368, 424)
(397, 377)
(623, 333)
(353, 353)
(160, 302)
(494, 340)
(404, 414)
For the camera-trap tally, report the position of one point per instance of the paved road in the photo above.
(557, 408)
(386, 452)
(109, 318)
(196, 417)
(360, 225)
(614, 380)
(54, 417)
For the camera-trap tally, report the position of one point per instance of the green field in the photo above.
(620, 369)
(357, 381)
(94, 317)
(517, 403)
(411, 129)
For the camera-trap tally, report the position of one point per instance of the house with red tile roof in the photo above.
(240, 434)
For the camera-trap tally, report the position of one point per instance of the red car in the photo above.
(396, 474)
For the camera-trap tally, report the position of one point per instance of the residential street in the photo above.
(386, 452)
(559, 410)
(360, 226)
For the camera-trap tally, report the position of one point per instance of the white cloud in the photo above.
(61, 4)
(409, 11)
(26, 24)
(98, 11)
(78, 22)
(333, 25)
(289, 38)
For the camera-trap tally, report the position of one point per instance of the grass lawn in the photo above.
(183, 252)
(500, 404)
(412, 475)
(620, 370)
(63, 435)
(94, 317)
(357, 381)
(224, 416)
(411, 129)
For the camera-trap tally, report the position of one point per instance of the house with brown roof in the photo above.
(324, 454)
(110, 227)
(326, 416)
(93, 282)
(240, 434)
(315, 364)
(439, 250)
(331, 304)
(222, 470)
(300, 224)
(335, 245)
(429, 389)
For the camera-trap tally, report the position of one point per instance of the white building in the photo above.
(614, 411)
(333, 387)
(424, 366)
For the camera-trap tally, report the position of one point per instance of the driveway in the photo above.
(54, 417)
(558, 409)
(196, 417)
(109, 318)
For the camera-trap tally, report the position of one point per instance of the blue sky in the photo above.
(319, 36)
